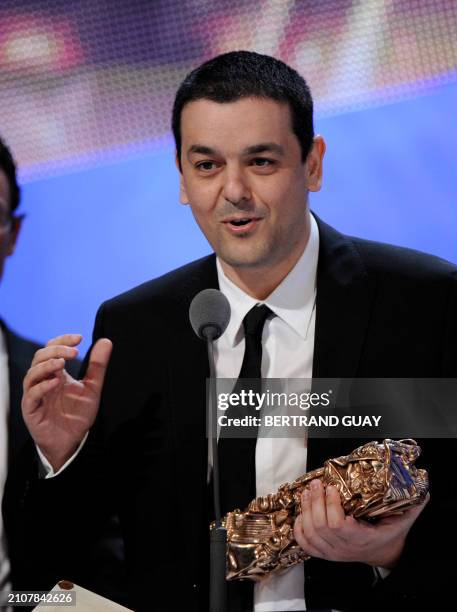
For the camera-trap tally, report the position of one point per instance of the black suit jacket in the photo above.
(381, 311)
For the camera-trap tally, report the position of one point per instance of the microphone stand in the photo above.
(218, 536)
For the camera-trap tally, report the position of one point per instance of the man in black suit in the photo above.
(16, 353)
(248, 158)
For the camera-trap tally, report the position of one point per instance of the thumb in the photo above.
(414, 512)
(98, 362)
(408, 517)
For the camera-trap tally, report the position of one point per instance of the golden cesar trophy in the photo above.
(375, 480)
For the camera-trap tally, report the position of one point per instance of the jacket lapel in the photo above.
(190, 354)
(190, 371)
(344, 298)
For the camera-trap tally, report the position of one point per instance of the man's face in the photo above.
(8, 232)
(243, 176)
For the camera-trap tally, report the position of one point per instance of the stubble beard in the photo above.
(262, 254)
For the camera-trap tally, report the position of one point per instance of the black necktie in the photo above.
(237, 455)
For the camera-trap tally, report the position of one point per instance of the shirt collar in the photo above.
(292, 301)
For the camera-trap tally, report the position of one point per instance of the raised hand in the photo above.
(57, 409)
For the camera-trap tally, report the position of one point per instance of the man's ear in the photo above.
(314, 163)
(182, 189)
(14, 233)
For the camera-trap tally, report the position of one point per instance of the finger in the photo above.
(312, 533)
(54, 352)
(32, 400)
(421, 506)
(42, 371)
(413, 513)
(302, 540)
(98, 362)
(66, 339)
(335, 513)
(405, 520)
(319, 516)
(318, 505)
(307, 525)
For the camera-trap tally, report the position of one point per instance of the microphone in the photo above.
(209, 315)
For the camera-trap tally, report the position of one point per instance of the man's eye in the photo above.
(262, 162)
(206, 165)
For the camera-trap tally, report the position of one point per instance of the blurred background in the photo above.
(86, 89)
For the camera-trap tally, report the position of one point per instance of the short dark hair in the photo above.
(8, 166)
(242, 74)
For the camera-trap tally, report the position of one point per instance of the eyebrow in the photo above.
(202, 149)
(263, 147)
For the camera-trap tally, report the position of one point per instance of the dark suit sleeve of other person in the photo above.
(146, 455)
(397, 318)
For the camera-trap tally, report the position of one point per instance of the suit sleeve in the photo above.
(427, 569)
(52, 523)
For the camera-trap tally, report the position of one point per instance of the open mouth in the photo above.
(242, 225)
(240, 222)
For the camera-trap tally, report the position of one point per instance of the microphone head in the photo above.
(209, 314)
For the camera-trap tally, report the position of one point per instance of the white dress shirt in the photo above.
(287, 352)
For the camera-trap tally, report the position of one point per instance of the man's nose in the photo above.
(236, 188)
